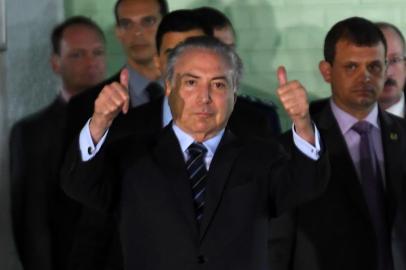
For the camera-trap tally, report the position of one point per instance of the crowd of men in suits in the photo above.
(165, 166)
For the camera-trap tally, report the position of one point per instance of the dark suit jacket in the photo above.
(48, 226)
(335, 230)
(143, 179)
(250, 118)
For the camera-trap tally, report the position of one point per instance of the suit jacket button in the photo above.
(201, 259)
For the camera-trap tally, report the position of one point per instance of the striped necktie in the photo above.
(197, 174)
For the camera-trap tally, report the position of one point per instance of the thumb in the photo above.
(124, 77)
(124, 81)
(282, 76)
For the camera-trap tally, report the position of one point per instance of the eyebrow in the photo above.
(189, 75)
(167, 51)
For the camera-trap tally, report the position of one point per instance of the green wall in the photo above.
(270, 33)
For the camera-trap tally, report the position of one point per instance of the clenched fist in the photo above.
(112, 100)
(294, 100)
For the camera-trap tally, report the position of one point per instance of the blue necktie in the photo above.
(372, 185)
(197, 174)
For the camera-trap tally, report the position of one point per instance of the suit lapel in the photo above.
(170, 159)
(343, 170)
(393, 166)
(218, 176)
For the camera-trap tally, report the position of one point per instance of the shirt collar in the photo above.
(137, 82)
(346, 120)
(185, 140)
(65, 96)
(167, 114)
(399, 107)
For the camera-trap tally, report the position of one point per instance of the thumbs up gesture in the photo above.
(293, 97)
(112, 100)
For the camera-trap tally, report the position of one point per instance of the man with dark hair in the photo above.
(195, 195)
(45, 220)
(136, 25)
(163, 9)
(359, 222)
(392, 98)
(219, 23)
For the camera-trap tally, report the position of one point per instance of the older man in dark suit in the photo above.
(359, 222)
(195, 195)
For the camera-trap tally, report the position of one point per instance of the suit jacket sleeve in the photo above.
(93, 183)
(297, 178)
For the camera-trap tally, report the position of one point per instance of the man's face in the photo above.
(169, 42)
(137, 24)
(356, 76)
(201, 95)
(396, 72)
(81, 62)
(225, 35)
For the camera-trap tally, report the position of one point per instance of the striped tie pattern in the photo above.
(197, 174)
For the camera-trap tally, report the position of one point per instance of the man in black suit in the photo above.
(220, 221)
(392, 98)
(359, 221)
(45, 220)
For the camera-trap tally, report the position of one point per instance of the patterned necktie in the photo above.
(372, 185)
(197, 174)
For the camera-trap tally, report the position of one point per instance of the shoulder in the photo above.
(392, 122)
(318, 106)
(89, 95)
(254, 104)
(253, 117)
(41, 117)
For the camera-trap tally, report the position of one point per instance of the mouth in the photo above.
(139, 46)
(390, 83)
(204, 114)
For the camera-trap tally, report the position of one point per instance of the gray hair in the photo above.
(211, 44)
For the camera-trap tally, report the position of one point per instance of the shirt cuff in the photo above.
(311, 151)
(87, 148)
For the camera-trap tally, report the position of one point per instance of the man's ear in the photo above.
(118, 32)
(55, 63)
(168, 87)
(325, 70)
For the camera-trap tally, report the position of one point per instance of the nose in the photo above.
(390, 70)
(204, 94)
(366, 75)
(137, 29)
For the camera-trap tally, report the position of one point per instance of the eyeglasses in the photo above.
(396, 60)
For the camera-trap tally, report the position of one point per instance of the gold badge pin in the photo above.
(393, 136)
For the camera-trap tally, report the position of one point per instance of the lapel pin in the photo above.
(393, 136)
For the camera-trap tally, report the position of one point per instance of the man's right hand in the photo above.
(112, 100)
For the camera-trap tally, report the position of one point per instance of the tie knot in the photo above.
(196, 149)
(362, 127)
